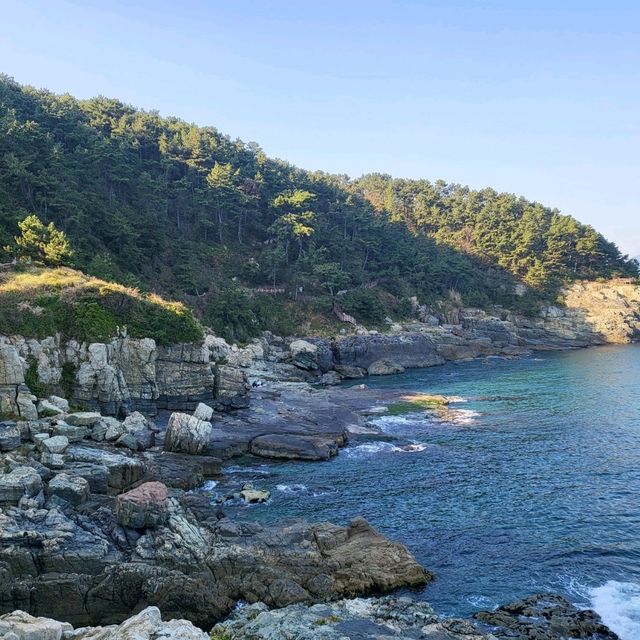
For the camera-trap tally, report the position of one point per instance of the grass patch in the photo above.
(418, 402)
(39, 302)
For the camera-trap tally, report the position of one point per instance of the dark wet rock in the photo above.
(141, 430)
(304, 355)
(70, 489)
(231, 389)
(187, 434)
(545, 616)
(144, 507)
(295, 447)
(330, 378)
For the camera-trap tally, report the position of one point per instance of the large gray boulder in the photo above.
(187, 434)
(66, 488)
(295, 447)
(143, 431)
(384, 367)
(304, 355)
(9, 436)
(19, 483)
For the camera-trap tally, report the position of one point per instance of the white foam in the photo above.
(618, 604)
(292, 488)
(209, 485)
(460, 417)
(372, 448)
(389, 424)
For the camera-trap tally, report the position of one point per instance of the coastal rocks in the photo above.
(545, 616)
(21, 626)
(384, 368)
(187, 434)
(252, 495)
(350, 372)
(146, 625)
(231, 389)
(9, 436)
(21, 482)
(407, 350)
(203, 412)
(56, 444)
(140, 430)
(70, 489)
(144, 507)
(304, 354)
(15, 397)
(83, 418)
(296, 447)
(356, 619)
(46, 408)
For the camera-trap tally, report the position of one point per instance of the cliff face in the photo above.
(117, 377)
(127, 374)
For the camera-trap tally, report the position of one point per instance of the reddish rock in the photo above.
(144, 507)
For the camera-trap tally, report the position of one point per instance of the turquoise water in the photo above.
(531, 483)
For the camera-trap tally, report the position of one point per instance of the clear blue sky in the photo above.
(540, 98)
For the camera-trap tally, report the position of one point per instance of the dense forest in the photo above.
(251, 242)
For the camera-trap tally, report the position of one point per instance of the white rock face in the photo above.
(146, 625)
(203, 412)
(187, 434)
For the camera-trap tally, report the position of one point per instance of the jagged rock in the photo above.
(128, 441)
(72, 432)
(59, 402)
(140, 429)
(295, 447)
(359, 618)
(143, 507)
(231, 388)
(52, 460)
(187, 434)
(26, 627)
(71, 489)
(180, 470)
(83, 418)
(9, 436)
(113, 432)
(100, 429)
(330, 378)
(22, 481)
(384, 368)
(57, 444)
(545, 616)
(203, 412)
(304, 354)
(46, 408)
(105, 471)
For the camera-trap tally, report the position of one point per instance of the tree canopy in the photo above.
(165, 205)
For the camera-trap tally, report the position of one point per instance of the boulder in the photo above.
(140, 429)
(203, 412)
(252, 495)
(83, 418)
(384, 368)
(144, 507)
(59, 402)
(231, 389)
(187, 434)
(546, 616)
(304, 355)
(330, 378)
(9, 436)
(22, 481)
(57, 444)
(72, 432)
(23, 626)
(67, 488)
(128, 441)
(350, 372)
(47, 408)
(295, 447)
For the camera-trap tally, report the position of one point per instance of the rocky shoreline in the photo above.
(101, 519)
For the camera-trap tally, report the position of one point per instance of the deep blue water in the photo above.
(531, 484)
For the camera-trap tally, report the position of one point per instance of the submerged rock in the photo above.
(384, 368)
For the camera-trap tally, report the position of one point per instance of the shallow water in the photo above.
(530, 483)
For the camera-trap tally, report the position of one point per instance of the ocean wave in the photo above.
(460, 417)
(239, 469)
(372, 448)
(208, 486)
(296, 488)
(618, 604)
(391, 424)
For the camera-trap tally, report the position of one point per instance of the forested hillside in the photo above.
(186, 211)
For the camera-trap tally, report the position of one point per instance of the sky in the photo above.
(539, 98)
